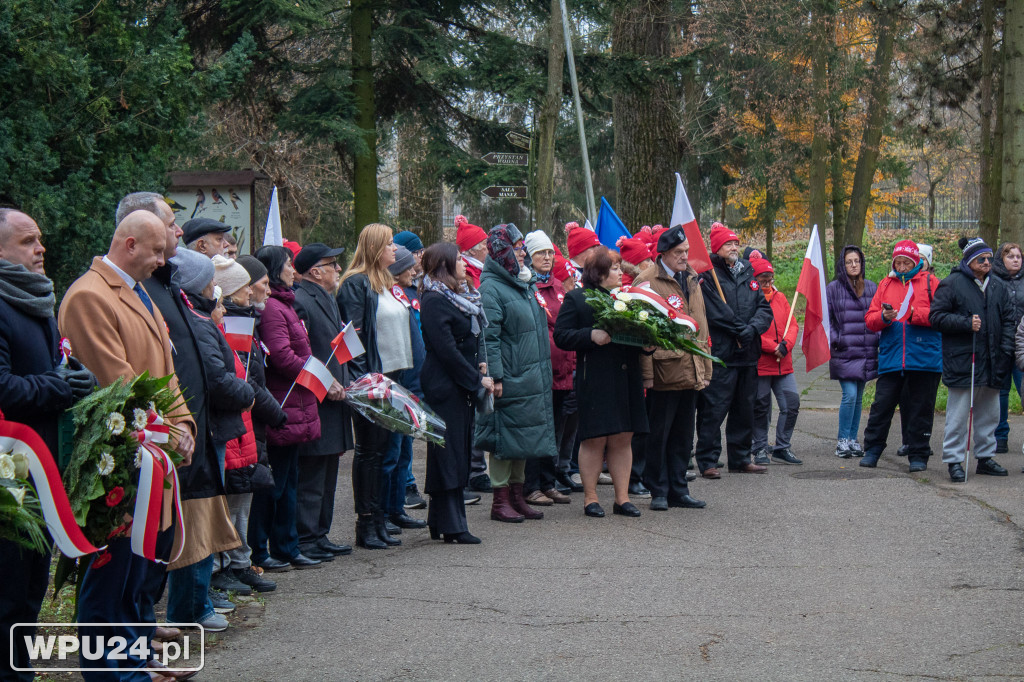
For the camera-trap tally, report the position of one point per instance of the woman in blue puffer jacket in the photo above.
(854, 359)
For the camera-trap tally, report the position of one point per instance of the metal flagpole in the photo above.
(591, 210)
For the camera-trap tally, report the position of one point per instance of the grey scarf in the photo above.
(29, 292)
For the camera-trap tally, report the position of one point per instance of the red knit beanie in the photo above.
(580, 239)
(645, 234)
(761, 265)
(466, 235)
(633, 250)
(720, 234)
(294, 247)
(562, 270)
(907, 248)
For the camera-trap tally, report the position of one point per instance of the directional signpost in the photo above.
(518, 139)
(505, 192)
(506, 159)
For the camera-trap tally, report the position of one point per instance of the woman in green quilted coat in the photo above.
(519, 360)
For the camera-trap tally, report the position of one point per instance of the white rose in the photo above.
(138, 458)
(115, 422)
(643, 315)
(20, 465)
(623, 296)
(7, 469)
(18, 494)
(619, 306)
(139, 419)
(106, 464)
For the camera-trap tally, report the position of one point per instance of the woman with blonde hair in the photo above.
(382, 322)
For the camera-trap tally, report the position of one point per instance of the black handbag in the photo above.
(483, 400)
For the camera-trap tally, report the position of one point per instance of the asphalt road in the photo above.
(825, 571)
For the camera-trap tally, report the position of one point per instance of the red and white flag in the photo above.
(238, 331)
(901, 315)
(812, 286)
(316, 377)
(346, 345)
(682, 214)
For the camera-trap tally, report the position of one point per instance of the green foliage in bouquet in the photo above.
(103, 476)
(21, 518)
(642, 324)
(395, 408)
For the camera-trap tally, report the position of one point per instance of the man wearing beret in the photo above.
(673, 379)
(319, 459)
(736, 324)
(206, 236)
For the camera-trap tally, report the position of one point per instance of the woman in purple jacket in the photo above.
(854, 359)
(273, 512)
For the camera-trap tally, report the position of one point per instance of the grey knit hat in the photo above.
(195, 271)
(403, 261)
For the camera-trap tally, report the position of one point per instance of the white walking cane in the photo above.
(970, 414)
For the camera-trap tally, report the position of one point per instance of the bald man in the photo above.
(117, 332)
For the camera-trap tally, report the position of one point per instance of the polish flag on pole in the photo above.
(812, 285)
(238, 331)
(272, 235)
(346, 345)
(682, 214)
(316, 377)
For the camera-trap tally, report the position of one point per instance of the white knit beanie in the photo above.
(538, 241)
(926, 252)
(230, 276)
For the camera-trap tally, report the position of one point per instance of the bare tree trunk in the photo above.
(645, 115)
(818, 171)
(878, 112)
(1011, 213)
(988, 219)
(419, 184)
(548, 123)
(364, 186)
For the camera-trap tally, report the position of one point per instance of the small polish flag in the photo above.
(682, 214)
(901, 315)
(346, 345)
(316, 377)
(238, 331)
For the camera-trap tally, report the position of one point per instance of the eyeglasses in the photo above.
(520, 249)
(853, 262)
(332, 264)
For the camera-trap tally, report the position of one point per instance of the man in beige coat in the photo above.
(673, 379)
(116, 331)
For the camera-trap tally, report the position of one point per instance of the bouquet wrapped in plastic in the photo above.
(394, 407)
(639, 317)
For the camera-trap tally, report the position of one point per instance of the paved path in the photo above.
(825, 571)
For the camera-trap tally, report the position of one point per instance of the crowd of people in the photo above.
(495, 334)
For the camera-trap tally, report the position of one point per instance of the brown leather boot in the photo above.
(501, 510)
(520, 505)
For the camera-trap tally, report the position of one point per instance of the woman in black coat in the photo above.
(452, 374)
(609, 389)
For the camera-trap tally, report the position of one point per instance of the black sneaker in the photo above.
(469, 497)
(413, 500)
(761, 457)
(481, 483)
(250, 577)
(220, 602)
(639, 490)
(786, 456)
(225, 581)
(989, 467)
(1001, 447)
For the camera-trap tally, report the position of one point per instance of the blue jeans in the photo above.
(188, 592)
(850, 408)
(395, 470)
(1003, 429)
(272, 515)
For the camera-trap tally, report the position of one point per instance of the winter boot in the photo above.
(520, 504)
(366, 533)
(501, 510)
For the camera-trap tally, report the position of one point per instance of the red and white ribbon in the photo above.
(53, 499)
(659, 304)
(156, 467)
(399, 294)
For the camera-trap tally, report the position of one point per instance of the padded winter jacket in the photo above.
(769, 365)
(854, 347)
(911, 344)
(519, 356)
(735, 324)
(563, 362)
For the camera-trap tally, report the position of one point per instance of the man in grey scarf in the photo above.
(35, 389)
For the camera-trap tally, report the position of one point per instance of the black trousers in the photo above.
(730, 394)
(24, 575)
(673, 417)
(566, 419)
(371, 444)
(914, 393)
(447, 512)
(318, 480)
(639, 445)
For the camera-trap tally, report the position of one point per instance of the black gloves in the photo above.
(747, 336)
(783, 349)
(79, 378)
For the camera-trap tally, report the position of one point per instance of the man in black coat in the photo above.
(319, 460)
(34, 390)
(735, 325)
(976, 318)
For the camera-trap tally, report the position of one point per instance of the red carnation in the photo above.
(115, 496)
(102, 559)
